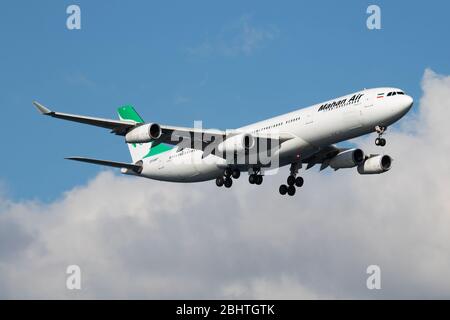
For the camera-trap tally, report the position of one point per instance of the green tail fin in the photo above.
(140, 151)
(128, 113)
(137, 151)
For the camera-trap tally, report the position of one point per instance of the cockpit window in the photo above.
(395, 93)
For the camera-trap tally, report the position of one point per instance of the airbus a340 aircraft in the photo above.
(305, 136)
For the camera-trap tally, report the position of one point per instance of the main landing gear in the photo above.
(380, 141)
(292, 181)
(256, 177)
(226, 180)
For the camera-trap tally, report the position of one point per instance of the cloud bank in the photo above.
(135, 238)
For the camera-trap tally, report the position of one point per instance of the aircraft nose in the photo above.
(407, 102)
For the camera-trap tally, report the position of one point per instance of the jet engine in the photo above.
(144, 133)
(347, 159)
(237, 144)
(375, 164)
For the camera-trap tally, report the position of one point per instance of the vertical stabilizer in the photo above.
(137, 150)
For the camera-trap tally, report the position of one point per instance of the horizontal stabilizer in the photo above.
(135, 167)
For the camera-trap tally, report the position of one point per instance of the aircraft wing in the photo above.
(135, 167)
(198, 137)
(121, 127)
(118, 127)
(322, 156)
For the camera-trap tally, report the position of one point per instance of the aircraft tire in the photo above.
(299, 181)
(219, 181)
(283, 189)
(228, 182)
(227, 172)
(291, 180)
(291, 190)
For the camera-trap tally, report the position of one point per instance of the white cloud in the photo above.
(241, 37)
(136, 238)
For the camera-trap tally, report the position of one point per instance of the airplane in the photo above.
(307, 136)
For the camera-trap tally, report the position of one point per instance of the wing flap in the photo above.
(322, 157)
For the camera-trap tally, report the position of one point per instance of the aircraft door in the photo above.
(309, 118)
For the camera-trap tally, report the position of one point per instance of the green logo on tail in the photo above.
(127, 112)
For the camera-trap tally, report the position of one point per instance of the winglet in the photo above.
(41, 108)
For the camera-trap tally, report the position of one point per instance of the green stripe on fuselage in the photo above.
(160, 148)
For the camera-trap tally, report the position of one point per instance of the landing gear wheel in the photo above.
(219, 181)
(227, 172)
(380, 141)
(291, 190)
(259, 179)
(283, 189)
(236, 173)
(291, 180)
(377, 141)
(299, 182)
(228, 183)
(252, 178)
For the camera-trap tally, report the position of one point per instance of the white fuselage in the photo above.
(312, 128)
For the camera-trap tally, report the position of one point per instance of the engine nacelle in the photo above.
(144, 133)
(347, 159)
(238, 143)
(375, 165)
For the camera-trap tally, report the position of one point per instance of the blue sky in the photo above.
(227, 63)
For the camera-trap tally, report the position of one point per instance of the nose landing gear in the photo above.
(292, 181)
(380, 141)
